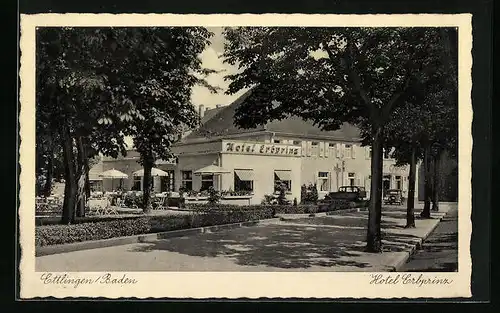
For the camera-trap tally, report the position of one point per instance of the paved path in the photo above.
(326, 243)
(440, 251)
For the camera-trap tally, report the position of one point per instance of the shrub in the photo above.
(309, 193)
(131, 200)
(213, 195)
(281, 199)
(269, 199)
(202, 216)
(60, 234)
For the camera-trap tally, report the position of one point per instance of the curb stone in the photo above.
(402, 261)
(119, 241)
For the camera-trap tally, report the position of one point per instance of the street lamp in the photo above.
(339, 169)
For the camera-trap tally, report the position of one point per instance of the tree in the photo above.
(161, 67)
(405, 141)
(72, 94)
(363, 75)
(442, 130)
(429, 122)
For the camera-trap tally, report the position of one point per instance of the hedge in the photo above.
(281, 209)
(62, 234)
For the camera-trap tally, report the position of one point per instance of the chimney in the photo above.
(201, 110)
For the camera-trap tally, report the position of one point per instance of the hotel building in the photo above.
(249, 162)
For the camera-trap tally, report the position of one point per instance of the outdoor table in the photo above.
(97, 206)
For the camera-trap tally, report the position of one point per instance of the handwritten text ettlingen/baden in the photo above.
(68, 280)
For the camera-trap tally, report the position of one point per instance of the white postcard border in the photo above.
(241, 284)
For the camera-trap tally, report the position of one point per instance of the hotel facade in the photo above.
(248, 163)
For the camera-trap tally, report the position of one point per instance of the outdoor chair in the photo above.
(41, 204)
(96, 206)
(120, 202)
(160, 203)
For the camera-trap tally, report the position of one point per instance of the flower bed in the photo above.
(61, 234)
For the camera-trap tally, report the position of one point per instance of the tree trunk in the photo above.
(374, 236)
(437, 185)
(70, 187)
(426, 212)
(146, 193)
(410, 205)
(81, 177)
(47, 189)
(87, 168)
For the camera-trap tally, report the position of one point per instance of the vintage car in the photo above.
(393, 196)
(343, 198)
(352, 193)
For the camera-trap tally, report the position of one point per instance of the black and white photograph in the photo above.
(161, 150)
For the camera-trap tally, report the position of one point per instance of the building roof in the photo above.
(221, 123)
(209, 113)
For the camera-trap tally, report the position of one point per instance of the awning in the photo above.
(211, 169)
(246, 175)
(154, 172)
(284, 175)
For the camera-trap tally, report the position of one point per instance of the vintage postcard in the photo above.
(245, 156)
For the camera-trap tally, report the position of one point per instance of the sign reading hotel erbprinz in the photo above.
(260, 148)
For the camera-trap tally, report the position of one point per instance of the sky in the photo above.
(211, 59)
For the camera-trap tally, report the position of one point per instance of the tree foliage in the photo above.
(332, 76)
(97, 85)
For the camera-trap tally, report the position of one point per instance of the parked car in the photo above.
(343, 198)
(393, 196)
(351, 193)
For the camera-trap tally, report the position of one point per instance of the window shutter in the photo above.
(353, 151)
(338, 148)
(327, 149)
(367, 152)
(309, 148)
(304, 147)
(358, 180)
(321, 149)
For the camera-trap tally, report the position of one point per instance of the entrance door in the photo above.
(168, 182)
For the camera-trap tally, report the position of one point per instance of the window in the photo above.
(314, 148)
(399, 183)
(282, 177)
(276, 141)
(207, 181)
(296, 142)
(347, 151)
(243, 180)
(323, 181)
(331, 149)
(352, 177)
(137, 183)
(187, 180)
